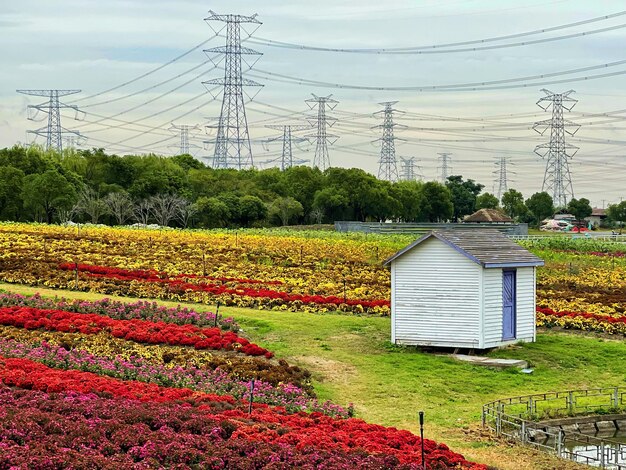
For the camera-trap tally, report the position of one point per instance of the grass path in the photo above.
(352, 361)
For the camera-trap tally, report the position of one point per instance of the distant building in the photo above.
(490, 216)
(463, 289)
(597, 217)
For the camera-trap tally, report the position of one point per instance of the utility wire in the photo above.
(150, 72)
(113, 100)
(472, 86)
(465, 49)
(270, 42)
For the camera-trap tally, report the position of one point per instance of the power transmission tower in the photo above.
(286, 160)
(54, 131)
(183, 131)
(557, 179)
(387, 165)
(232, 143)
(502, 176)
(444, 159)
(410, 171)
(322, 137)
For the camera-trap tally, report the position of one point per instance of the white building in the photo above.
(463, 289)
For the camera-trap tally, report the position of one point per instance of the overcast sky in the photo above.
(96, 45)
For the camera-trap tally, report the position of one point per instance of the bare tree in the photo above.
(91, 204)
(164, 208)
(186, 210)
(120, 206)
(317, 215)
(142, 211)
(67, 215)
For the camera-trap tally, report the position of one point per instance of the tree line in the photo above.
(93, 186)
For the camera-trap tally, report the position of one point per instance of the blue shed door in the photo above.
(508, 305)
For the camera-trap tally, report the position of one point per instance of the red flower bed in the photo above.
(178, 285)
(141, 331)
(31, 375)
(151, 275)
(266, 425)
(566, 313)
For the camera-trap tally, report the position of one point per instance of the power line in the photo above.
(150, 72)
(472, 86)
(421, 51)
(270, 42)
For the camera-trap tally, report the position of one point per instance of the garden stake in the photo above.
(217, 314)
(251, 396)
(422, 438)
(344, 290)
(203, 264)
(76, 274)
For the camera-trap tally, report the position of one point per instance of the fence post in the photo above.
(559, 443)
(530, 406)
(602, 456)
(615, 397)
(484, 417)
(498, 419)
(523, 432)
(570, 402)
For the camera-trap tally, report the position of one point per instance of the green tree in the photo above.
(437, 205)
(541, 206)
(252, 210)
(617, 212)
(410, 198)
(212, 212)
(464, 195)
(187, 162)
(47, 193)
(286, 208)
(335, 205)
(513, 204)
(11, 183)
(579, 208)
(487, 201)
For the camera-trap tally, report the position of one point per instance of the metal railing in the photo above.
(517, 418)
(606, 237)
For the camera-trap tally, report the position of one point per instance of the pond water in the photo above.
(591, 452)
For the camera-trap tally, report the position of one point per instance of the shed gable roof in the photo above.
(489, 248)
(488, 215)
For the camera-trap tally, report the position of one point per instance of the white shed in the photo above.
(463, 289)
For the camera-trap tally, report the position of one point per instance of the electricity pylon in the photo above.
(232, 143)
(409, 168)
(286, 159)
(502, 176)
(445, 160)
(322, 137)
(557, 179)
(54, 131)
(183, 130)
(388, 166)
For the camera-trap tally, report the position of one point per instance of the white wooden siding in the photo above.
(492, 285)
(436, 297)
(525, 306)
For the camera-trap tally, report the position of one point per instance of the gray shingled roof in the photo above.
(489, 248)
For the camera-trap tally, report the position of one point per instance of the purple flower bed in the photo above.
(216, 381)
(78, 431)
(140, 310)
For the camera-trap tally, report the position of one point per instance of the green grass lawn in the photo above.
(353, 361)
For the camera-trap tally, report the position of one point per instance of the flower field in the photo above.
(113, 385)
(283, 271)
(259, 271)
